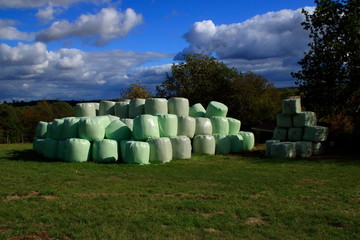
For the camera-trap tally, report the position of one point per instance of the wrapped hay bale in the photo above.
(204, 144)
(117, 130)
(92, 129)
(77, 150)
(168, 125)
(38, 145)
(105, 151)
(283, 150)
(284, 121)
(197, 110)
(295, 134)
(304, 149)
(129, 122)
(136, 107)
(181, 147)
(216, 109)
(145, 127)
(70, 128)
(315, 133)
(106, 108)
(135, 152)
(106, 119)
(222, 144)
(203, 126)
(97, 107)
(178, 106)
(219, 125)
(249, 140)
(291, 106)
(317, 148)
(186, 126)
(236, 143)
(122, 109)
(280, 134)
(50, 148)
(304, 119)
(56, 128)
(268, 144)
(156, 106)
(234, 125)
(85, 110)
(41, 130)
(60, 150)
(160, 150)
(113, 118)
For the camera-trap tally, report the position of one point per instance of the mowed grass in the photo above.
(242, 196)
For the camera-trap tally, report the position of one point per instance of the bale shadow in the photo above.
(28, 155)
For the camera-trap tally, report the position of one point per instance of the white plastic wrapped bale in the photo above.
(216, 109)
(223, 144)
(97, 107)
(156, 106)
(186, 126)
(85, 110)
(283, 150)
(145, 127)
(284, 121)
(121, 148)
(107, 108)
(291, 106)
(105, 151)
(129, 122)
(92, 129)
(77, 150)
(236, 143)
(268, 144)
(197, 110)
(41, 130)
(135, 152)
(181, 147)
(219, 125)
(136, 107)
(117, 130)
(113, 118)
(168, 125)
(122, 109)
(317, 148)
(70, 128)
(249, 140)
(178, 106)
(304, 149)
(56, 128)
(60, 150)
(160, 150)
(304, 119)
(280, 134)
(204, 144)
(50, 148)
(315, 133)
(107, 119)
(38, 145)
(234, 125)
(203, 126)
(295, 134)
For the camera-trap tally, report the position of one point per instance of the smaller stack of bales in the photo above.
(296, 133)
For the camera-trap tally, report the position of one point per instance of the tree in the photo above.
(136, 90)
(330, 73)
(10, 125)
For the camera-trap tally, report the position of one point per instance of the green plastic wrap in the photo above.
(92, 129)
(203, 126)
(38, 145)
(197, 110)
(284, 121)
(117, 130)
(97, 107)
(107, 108)
(291, 106)
(234, 125)
(216, 109)
(136, 107)
(105, 151)
(304, 149)
(70, 128)
(283, 150)
(178, 106)
(204, 144)
(77, 150)
(236, 143)
(186, 126)
(304, 119)
(315, 133)
(317, 148)
(181, 147)
(219, 125)
(136, 152)
(223, 144)
(56, 128)
(129, 122)
(268, 144)
(168, 125)
(249, 140)
(41, 130)
(122, 109)
(85, 110)
(155, 106)
(145, 127)
(61, 150)
(295, 134)
(113, 118)
(50, 148)
(106, 119)
(280, 134)
(160, 150)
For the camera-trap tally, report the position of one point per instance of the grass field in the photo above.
(208, 197)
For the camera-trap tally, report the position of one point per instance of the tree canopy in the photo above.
(136, 90)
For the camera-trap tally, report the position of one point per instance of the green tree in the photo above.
(10, 125)
(136, 90)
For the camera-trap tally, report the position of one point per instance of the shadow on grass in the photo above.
(28, 155)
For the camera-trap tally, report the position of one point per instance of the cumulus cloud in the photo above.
(9, 32)
(46, 14)
(103, 27)
(40, 3)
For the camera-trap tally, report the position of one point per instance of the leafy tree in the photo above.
(136, 90)
(10, 125)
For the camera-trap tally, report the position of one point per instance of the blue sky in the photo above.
(91, 49)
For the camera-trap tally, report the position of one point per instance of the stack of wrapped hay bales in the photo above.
(296, 133)
(141, 131)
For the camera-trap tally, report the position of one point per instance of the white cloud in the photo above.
(9, 32)
(103, 27)
(46, 14)
(40, 3)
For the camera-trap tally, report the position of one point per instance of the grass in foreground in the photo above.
(207, 197)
